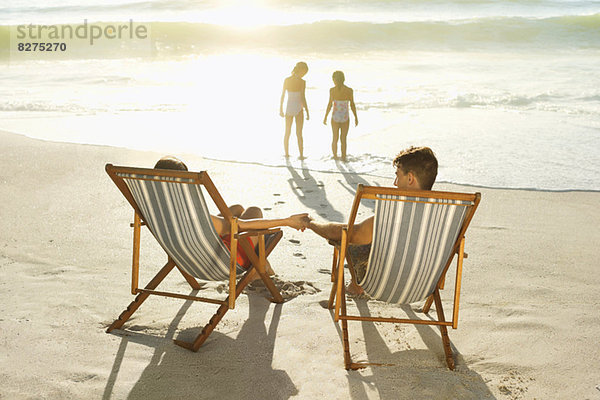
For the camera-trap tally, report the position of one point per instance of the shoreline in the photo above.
(527, 326)
(312, 169)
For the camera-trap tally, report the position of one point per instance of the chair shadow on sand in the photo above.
(222, 368)
(415, 373)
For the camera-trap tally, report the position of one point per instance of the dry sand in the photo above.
(528, 327)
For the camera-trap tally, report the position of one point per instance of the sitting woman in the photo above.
(248, 219)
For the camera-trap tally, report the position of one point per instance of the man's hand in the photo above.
(299, 221)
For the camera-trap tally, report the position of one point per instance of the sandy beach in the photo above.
(528, 326)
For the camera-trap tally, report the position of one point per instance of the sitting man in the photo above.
(248, 219)
(416, 168)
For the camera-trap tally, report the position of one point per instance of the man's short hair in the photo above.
(170, 162)
(421, 162)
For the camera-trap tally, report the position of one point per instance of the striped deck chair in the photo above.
(416, 235)
(171, 205)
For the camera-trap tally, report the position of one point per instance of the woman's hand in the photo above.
(298, 221)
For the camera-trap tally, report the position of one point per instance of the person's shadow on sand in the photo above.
(223, 368)
(353, 179)
(416, 373)
(312, 194)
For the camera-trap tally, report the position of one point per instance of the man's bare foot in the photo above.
(354, 289)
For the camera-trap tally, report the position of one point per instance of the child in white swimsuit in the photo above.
(294, 104)
(341, 99)
(295, 87)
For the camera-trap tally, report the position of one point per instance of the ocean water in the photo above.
(507, 93)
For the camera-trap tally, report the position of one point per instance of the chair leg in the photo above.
(443, 330)
(259, 262)
(140, 298)
(333, 279)
(277, 298)
(190, 279)
(345, 339)
(427, 305)
(348, 364)
(216, 318)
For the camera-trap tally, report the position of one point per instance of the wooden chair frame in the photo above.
(338, 297)
(258, 262)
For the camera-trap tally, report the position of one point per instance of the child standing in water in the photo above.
(340, 97)
(295, 87)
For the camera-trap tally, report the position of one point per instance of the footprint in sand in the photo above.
(323, 205)
(514, 384)
(267, 208)
(294, 241)
(288, 289)
(276, 194)
(279, 202)
(302, 256)
(323, 215)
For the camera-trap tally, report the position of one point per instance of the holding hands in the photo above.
(298, 221)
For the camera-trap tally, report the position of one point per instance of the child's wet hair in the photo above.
(300, 67)
(338, 78)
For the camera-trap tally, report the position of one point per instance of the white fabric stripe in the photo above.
(176, 205)
(380, 248)
(180, 232)
(416, 263)
(387, 231)
(194, 237)
(390, 230)
(435, 252)
(141, 194)
(431, 251)
(434, 237)
(385, 217)
(196, 247)
(198, 243)
(376, 249)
